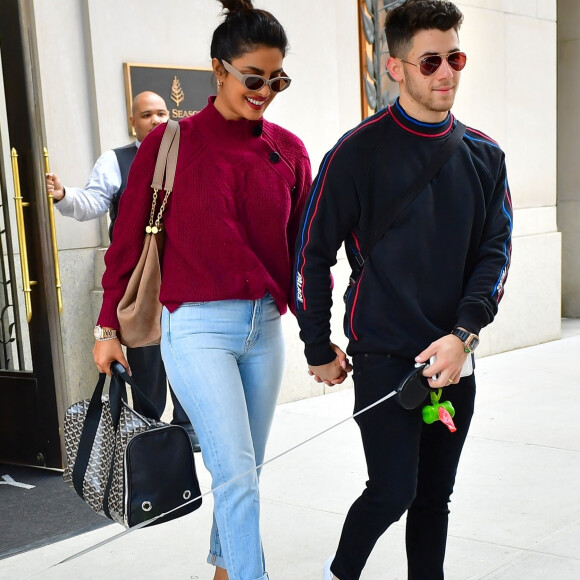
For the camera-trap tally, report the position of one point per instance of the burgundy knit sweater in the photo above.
(230, 222)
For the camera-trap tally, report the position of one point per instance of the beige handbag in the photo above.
(139, 311)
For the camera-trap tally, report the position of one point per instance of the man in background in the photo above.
(101, 193)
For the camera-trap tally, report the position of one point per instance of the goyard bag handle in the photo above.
(88, 435)
(118, 393)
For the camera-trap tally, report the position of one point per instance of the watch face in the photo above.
(472, 344)
(97, 332)
(469, 339)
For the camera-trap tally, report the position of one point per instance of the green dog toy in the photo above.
(437, 411)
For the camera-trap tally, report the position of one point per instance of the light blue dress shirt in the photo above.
(97, 196)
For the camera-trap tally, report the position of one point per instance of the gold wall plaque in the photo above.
(185, 90)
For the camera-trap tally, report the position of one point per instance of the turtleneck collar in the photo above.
(420, 128)
(223, 129)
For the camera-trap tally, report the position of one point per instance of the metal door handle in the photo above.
(26, 282)
(53, 236)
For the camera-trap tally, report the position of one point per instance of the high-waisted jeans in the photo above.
(411, 467)
(225, 361)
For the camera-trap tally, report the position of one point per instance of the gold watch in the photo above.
(469, 339)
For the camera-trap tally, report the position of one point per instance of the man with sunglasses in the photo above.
(423, 289)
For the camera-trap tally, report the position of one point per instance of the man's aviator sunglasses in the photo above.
(257, 82)
(431, 63)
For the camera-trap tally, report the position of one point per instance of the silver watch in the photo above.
(101, 333)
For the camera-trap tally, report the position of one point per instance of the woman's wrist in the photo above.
(102, 333)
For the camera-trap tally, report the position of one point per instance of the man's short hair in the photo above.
(404, 21)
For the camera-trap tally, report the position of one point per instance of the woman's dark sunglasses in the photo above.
(257, 82)
(431, 63)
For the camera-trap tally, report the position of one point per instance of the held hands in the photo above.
(107, 351)
(54, 186)
(334, 372)
(450, 354)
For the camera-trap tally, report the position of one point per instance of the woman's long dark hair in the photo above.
(245, 28)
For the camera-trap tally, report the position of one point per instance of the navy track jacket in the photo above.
(442, 264)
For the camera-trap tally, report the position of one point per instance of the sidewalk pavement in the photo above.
(515, 513)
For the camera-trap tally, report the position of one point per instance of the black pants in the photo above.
(149, 375)
(411, 467)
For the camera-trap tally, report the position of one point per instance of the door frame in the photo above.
(32, 401)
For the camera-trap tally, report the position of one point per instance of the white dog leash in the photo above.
(147, 522)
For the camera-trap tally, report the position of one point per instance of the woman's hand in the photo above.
(107, 351)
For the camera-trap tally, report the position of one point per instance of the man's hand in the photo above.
(451, 355)
(54, 186)
(107, 351)
(334, 372)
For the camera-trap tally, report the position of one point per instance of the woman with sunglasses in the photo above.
(230, 224)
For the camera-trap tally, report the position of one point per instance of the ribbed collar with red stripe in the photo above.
(420, 128)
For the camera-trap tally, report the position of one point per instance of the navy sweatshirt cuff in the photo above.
(319, 354)
(470, 324)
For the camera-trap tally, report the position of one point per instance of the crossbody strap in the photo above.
(418, 185)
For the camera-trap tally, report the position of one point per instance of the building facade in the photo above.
(62, 87)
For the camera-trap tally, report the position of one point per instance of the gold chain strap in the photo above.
(155, 224)
(165, 166)
(158, 222)
(152, 215)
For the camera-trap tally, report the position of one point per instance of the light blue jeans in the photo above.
(225, 361)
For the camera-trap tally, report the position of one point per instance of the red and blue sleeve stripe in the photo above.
(313, 205)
